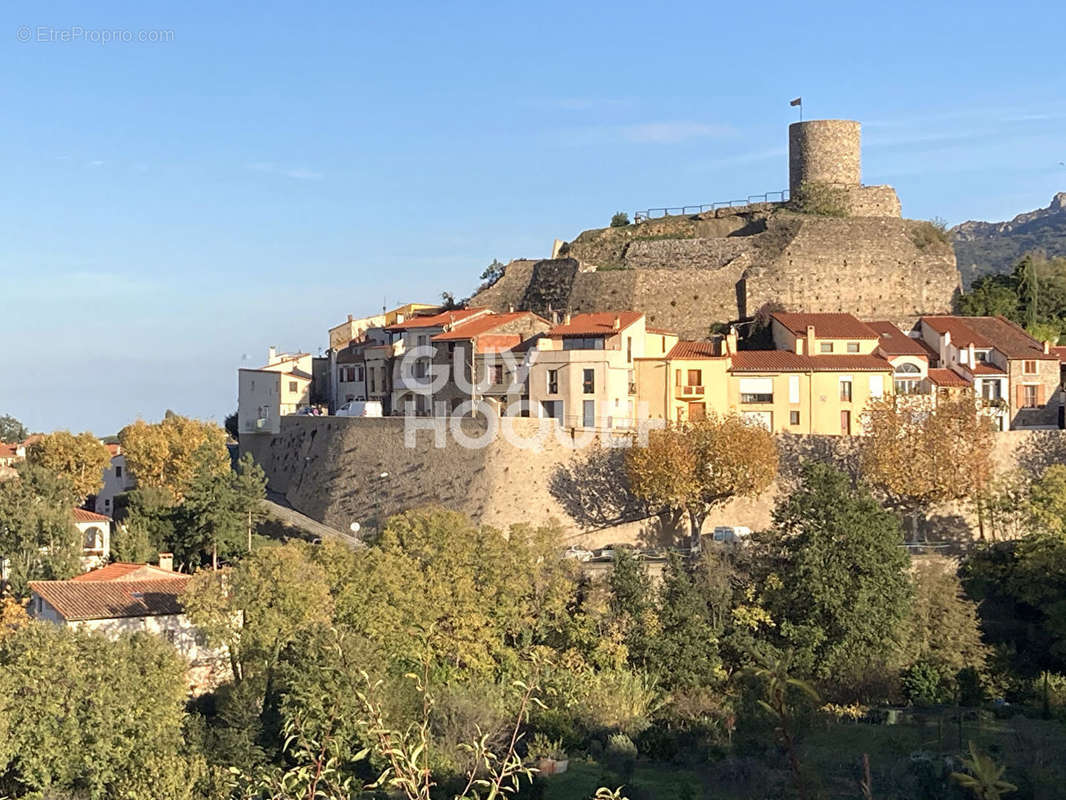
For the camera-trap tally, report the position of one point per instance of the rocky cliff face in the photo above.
(983, 248)
(687, 273)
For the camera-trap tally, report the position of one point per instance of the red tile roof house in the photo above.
(411, 374)
(130, 598)
(484, 346)
(1017, 376)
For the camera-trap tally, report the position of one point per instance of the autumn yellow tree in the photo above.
(918, 452)
(80, 459)
(169, 454)
(694, 467)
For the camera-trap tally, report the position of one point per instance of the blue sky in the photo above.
(173, 207)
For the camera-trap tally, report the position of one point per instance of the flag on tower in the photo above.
(797, 102)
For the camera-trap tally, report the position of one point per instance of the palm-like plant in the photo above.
(774, 673)
(983, 776)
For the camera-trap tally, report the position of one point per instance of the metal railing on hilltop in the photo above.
(672, 211)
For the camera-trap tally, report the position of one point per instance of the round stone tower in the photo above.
(824, 151)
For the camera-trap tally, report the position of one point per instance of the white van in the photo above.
(731, 534)
(360, 408)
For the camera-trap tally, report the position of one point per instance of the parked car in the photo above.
(577, 553)
(360, 408)
(610, 552)
(731, 534)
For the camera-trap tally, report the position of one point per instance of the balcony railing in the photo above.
(691, 390)
(756, 398)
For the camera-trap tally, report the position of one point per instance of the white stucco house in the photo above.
(129, 598)
(117, 479)
(95, 532)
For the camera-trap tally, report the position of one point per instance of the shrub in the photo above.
(620, 754)
(932, 232)
(620, 220)
(821, 199)
(616, 700)
(926, 683)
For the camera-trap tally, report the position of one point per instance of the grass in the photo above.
(1033, 750)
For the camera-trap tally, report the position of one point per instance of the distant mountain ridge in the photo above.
(983, 248)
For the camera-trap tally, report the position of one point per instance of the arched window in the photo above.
(94, 539)
(907, 369)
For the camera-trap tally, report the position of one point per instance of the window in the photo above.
(906, 386)
(981, 356)
(845, 390)
(292, 386)
(853, 347)
(793, 418)
(118, 471)
(588, 413)
(553, 381)
(583, 343)
(677, 377)
(827, 347)
(359, 374)
(588, 383)
(1030, 396)
(756, 390)
(990, 389)
(629, 349)
(1029, 367)
(793, 389)
(497, 374)
(94, 539)
(695, 377)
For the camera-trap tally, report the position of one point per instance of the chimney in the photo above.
(272, 354)
(731, 341)
(1047, 347)
(809, 348)
(350, 317)
(510, 308)
(973, 356)
(566, 318)
(166, 561)
(617, 322)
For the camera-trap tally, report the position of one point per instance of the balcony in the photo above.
(756, 399)
(691, 390)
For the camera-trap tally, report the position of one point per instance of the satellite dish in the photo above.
(354, 527)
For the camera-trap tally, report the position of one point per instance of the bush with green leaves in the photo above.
(927, 683)
(620, 220)
(821, 199)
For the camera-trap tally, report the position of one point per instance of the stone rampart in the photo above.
(344, 470)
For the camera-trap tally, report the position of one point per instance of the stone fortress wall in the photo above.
(330, 468)
(686, 272)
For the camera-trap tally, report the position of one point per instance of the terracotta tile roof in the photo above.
(826, 326)
(895, 342)
(986, 369)
(81, 515)
(601, 323)
(660, 332)
(1060, 352)
(1009, 338)
(497, 342)
(692, 350)
(444, 318)
(787, 361)
(9, 450)
(79, 600)
(947, 377)
(483, 324)
(962, 335)
(123, 571)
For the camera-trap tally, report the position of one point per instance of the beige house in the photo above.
(95, 530)
(583, 373)
(129, 598)
(282, 386)
(1016, 377)
(117, 479)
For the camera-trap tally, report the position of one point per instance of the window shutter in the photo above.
(1040, 395)
(1020, 396)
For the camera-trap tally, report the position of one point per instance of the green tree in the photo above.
(230, 425)
(492, 273)
(990, 296)
(95, 718)
(843, 590)
(467, 593)
(149, 514)
(37, 532)
(686, 647)
(633, 606)
(944, 628)
(620, 220)
(218, 512)
(81, 459)
(11, 430)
